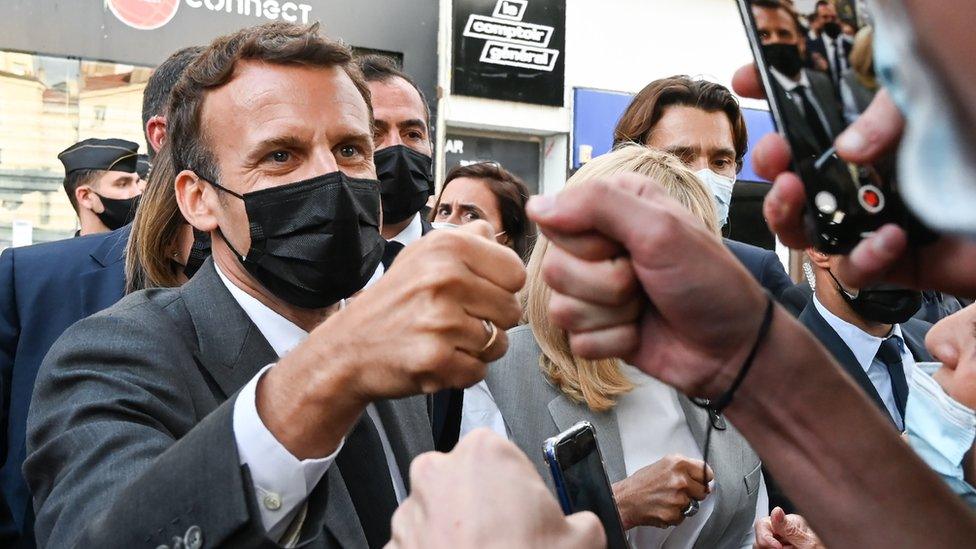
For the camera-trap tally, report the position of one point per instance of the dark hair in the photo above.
(275, 43)
(648, 107)
(778, 5)
(511, 193)
(160, 84)
(76, 179)
(380, 68)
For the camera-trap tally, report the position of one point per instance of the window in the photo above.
(50, 103)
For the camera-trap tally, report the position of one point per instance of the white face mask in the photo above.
(721, 188)
(438, 225)
(937, 168)
(939, 428)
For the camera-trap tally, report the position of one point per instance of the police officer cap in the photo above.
(116, 155)
(143, 166)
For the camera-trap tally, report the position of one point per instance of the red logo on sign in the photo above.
(144, 14)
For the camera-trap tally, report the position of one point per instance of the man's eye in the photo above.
(280, 156)
(348, 151)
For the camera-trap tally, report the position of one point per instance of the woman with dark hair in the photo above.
(490, 192)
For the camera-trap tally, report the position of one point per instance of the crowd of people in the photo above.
(283, 336)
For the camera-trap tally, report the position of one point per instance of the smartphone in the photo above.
(581, 480)
(845, 202)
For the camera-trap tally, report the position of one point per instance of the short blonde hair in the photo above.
(598, 383)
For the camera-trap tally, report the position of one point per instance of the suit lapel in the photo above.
(566, 413)
(811, 318)
(408, 430)
(229, 346)
(104, 284)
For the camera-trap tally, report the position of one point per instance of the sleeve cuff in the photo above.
(282, 482)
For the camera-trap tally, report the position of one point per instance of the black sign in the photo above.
(510, 49)
(519, 157)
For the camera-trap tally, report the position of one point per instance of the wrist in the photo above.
(302, 403)
(621, 496)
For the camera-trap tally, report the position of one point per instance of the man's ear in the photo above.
(85, 197)
(156, 132)
(192, 197)
(818, 258)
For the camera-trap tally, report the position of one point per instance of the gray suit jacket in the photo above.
(130, 435)
(535, 410)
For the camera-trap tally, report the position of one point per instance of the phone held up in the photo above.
(581, 481)
(845, 202)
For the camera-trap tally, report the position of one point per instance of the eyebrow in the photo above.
(280, 142)
(412, 123)
(683, 150)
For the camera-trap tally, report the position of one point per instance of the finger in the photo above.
(485, 258)
(459, 371)
(875, 132)
(585, 531)
(404, 522)
(693, 468)
(577, 316)
(746, 82)
(590, 246)
(695, 489)
(497, 349)
(610, 282)
(615, 342)
(772, 156)
(783, 210)
(472, 336)
(764, 535)
(482, 299)
(873, 257)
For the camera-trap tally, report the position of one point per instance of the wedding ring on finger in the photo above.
(492, 331)
(692, 509)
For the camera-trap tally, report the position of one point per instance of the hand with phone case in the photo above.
(485, 493)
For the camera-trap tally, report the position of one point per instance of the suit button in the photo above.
(193, 539)
(272, 501)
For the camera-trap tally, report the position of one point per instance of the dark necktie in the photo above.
(835, 63)
(366, 474)
(390, 252)
(812, 118)
(890, 355)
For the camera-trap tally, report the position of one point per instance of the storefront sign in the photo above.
(510, 50)
(153, 14)
(519, 157)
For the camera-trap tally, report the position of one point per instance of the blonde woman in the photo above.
(650, 435)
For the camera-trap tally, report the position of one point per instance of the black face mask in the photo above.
(314, 242)
(118, 212)
(884, 303)
(832, 29)
(198, 253)
(405, 181)
(785, 58)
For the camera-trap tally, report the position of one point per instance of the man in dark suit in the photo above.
(700, 122)
(255, 406)
(829, 49)
(101, 182)
(44, 289)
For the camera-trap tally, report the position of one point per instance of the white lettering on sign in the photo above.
(510, 9)
(454, 146)
(490, 28)
(272, 10)
(517, 55)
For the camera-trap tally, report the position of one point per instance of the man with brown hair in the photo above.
(258, 405)
(701, 123)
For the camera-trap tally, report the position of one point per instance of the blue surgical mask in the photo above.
(721, 188)
(937, 170)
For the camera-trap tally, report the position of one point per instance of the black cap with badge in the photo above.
(116, 155)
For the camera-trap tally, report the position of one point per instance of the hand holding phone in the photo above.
(581, 481)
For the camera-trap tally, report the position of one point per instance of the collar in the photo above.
(281, 333)
(788, 83)
(863, 345)
(412, 232)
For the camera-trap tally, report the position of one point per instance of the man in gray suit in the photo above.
(250, 407)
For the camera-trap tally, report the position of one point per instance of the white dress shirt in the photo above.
(652, 425)
(412, 232)
(790, 87)
(864, 347)
(282, 482)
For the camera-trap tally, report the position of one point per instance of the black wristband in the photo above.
(723, 401)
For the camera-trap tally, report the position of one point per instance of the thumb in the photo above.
(791, 528)
(479, 228)
(875, 132)
(586, 530)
